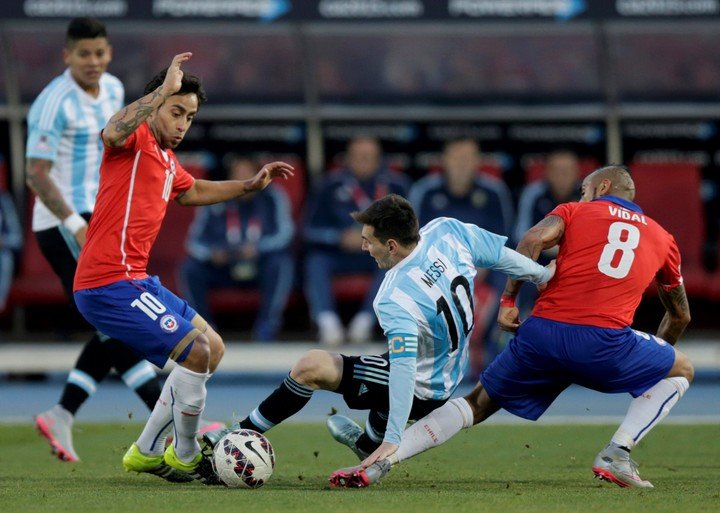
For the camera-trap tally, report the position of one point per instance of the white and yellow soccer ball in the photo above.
(244, 459)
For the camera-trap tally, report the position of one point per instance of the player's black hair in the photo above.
(392, 217)
(84, 28)
(190, 84)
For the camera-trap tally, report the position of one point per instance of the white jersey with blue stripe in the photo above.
(429, 295)
(64, 125)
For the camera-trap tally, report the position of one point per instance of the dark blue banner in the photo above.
(269, 11)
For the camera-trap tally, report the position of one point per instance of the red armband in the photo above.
(507, 302)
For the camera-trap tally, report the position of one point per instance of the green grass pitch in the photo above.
(494, 468)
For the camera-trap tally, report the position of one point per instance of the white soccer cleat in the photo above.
(346, 431)
(55, 425)
(615, 465)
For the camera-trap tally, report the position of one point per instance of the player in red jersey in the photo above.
(139, 175)
(579, 332)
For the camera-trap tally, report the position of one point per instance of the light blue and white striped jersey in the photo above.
(425, 307)
(429, 294)
(64, 125)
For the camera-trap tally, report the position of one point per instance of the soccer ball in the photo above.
(244, 459)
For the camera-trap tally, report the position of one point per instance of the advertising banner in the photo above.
(268, 11)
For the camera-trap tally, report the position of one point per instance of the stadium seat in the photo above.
(351, 287)
(670, 194)
(36, 283)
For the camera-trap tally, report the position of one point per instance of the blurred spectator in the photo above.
(244, 242)
(560, 185)
(472, 197)
(10, 240)
(335, 241)
(462, 192)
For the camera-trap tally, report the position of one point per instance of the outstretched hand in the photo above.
(267, 174)
(385, 450)
(509, 318)
(173, 78)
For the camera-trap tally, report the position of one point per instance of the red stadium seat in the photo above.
(36, 283)
(295, 187)
(351, 287)
(670, 194)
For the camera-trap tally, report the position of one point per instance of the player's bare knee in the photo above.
(312, 368)
(682, 367)
(198, 359)
(217, 349)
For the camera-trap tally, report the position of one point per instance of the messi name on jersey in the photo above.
(432, 274)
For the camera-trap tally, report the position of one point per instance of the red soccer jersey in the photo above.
(136, 182)
(609, 254)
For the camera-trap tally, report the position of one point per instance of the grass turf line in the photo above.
(494, 468)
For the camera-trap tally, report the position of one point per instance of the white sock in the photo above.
(648, 410)
(434, 429)
(187, 389)
(152, 438)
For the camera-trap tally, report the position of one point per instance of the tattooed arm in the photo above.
(677, 313)
(546, 234)
(126, 121)
(37, 177)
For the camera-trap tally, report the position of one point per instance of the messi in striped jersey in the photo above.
(425, 307)
(425, 304)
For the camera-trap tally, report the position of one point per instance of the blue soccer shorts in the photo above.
(545, 357)
(144, 315)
